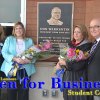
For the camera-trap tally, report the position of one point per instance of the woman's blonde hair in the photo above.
(84, 31)
(16, 24)
(2, 33)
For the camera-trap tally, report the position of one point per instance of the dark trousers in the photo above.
(2, 75)
(19, 93)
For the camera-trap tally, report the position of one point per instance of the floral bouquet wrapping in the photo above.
(69, 54)
(34, 52)
(72, 54)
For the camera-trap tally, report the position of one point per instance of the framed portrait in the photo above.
(55, 23)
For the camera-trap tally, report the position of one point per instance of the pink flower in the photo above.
(80, 55)
(46, 46)
(71, 53)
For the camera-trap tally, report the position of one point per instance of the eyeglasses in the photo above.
(94, 27)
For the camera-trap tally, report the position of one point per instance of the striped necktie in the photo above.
(93, 47)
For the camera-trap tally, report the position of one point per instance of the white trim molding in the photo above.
(22, 15)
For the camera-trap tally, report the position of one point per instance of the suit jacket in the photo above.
(94, 65)
(9, 51)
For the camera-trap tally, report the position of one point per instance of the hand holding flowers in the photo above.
(68, 54)
(28, 56)
(72, 54)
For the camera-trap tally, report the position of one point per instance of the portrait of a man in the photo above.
(55, 17)
(55, 23)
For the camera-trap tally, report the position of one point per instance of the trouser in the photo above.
(2, 91)
(19, 93)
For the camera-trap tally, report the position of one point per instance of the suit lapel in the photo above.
(98, 45)
(92, 55)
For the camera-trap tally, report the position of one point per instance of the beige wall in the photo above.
(44, 73)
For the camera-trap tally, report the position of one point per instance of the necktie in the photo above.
(92, 50)
(93, 47)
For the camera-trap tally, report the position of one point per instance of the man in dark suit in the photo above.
(94, 61)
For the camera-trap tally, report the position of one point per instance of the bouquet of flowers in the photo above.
(69, 54)
(34, 52)
(72, 54)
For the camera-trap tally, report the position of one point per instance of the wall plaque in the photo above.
(55, 23)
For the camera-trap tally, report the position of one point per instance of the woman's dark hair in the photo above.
(2, 33)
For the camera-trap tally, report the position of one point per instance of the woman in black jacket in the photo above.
(76, 69)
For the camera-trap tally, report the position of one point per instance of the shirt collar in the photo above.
(98, 39)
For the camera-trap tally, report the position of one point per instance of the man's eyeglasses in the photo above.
(94, 27)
